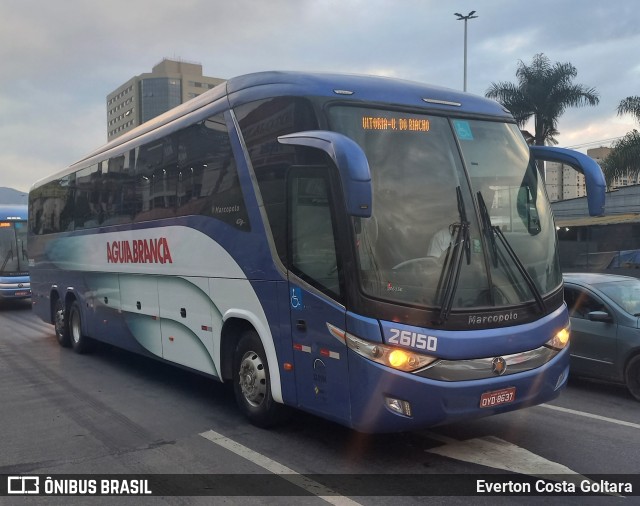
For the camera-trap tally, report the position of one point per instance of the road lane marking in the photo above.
(589, 415)
(496, 453)
(490, 451)
(284, 472)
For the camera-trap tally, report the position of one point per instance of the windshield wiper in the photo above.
(488, 229)
(461, 247)
(6, 260)
(493, 232)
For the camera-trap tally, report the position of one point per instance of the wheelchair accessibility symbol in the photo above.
(296, 298)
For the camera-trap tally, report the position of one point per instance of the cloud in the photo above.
(61, 59)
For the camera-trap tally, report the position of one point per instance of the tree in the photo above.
(630, 105)
(624, 159)
(544, 90)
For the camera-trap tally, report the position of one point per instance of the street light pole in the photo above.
(465, 18)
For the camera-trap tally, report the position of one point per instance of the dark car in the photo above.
(605, 327)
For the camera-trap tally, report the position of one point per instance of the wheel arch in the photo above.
(55, 294)
(631, 354)
(236, 322)
(54, 297)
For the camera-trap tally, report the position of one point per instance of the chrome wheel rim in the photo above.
(253, 378)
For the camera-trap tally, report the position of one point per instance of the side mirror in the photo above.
(351, 162)
(527, 211)
(594, 178)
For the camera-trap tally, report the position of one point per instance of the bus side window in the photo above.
(208, 183)
(312, 243)
(261, 123)
(86, 206)
(152, 180)
(117, 185)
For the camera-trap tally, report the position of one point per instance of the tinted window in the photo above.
(624, 293)
(87, 211)
(581, 303)
(261, 124)
(313, 245)
(190, 172)
(159, 94)
(51, 207)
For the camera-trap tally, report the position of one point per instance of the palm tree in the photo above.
(544, 90)
(630, 105)
(624, 158)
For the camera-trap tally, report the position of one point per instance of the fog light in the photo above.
(398, 406)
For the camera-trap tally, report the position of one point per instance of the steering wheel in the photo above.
(426, 262)
(498, 295)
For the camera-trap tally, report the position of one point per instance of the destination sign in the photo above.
(395, 123)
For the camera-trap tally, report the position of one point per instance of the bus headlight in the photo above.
(560, 340)
(398, 358)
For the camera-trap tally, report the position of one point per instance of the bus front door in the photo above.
(320, 359)
(322, 374)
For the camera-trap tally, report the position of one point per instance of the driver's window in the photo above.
(581, 303)
(312, 243)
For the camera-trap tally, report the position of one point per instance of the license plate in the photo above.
(21, 294)
(497, 397)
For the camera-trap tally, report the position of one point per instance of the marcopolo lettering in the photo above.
(226, 210)
(139, 251)
(494, 318)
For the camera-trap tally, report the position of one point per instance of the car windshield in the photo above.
(624, 293)
(439, 182)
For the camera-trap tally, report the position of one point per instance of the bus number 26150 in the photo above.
(413, 339)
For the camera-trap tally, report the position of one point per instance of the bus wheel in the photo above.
(79, 342)
(632, 376)
(60, 324)
(251, 382)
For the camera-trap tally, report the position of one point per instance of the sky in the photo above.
(60, 59)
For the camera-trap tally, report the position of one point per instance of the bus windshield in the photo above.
(13, 247)
(438, 182)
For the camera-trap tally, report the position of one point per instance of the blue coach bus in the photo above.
(378, 252)
(14, 267)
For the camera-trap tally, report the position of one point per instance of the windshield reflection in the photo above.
(420, 184)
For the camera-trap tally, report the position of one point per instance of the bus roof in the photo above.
(347, 87)
(13, 212)
(371, 89)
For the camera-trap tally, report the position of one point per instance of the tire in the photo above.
(60, 324)
(252, 385)
(79, 342)
(632, 376)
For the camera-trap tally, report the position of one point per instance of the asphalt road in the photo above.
(111, 412)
